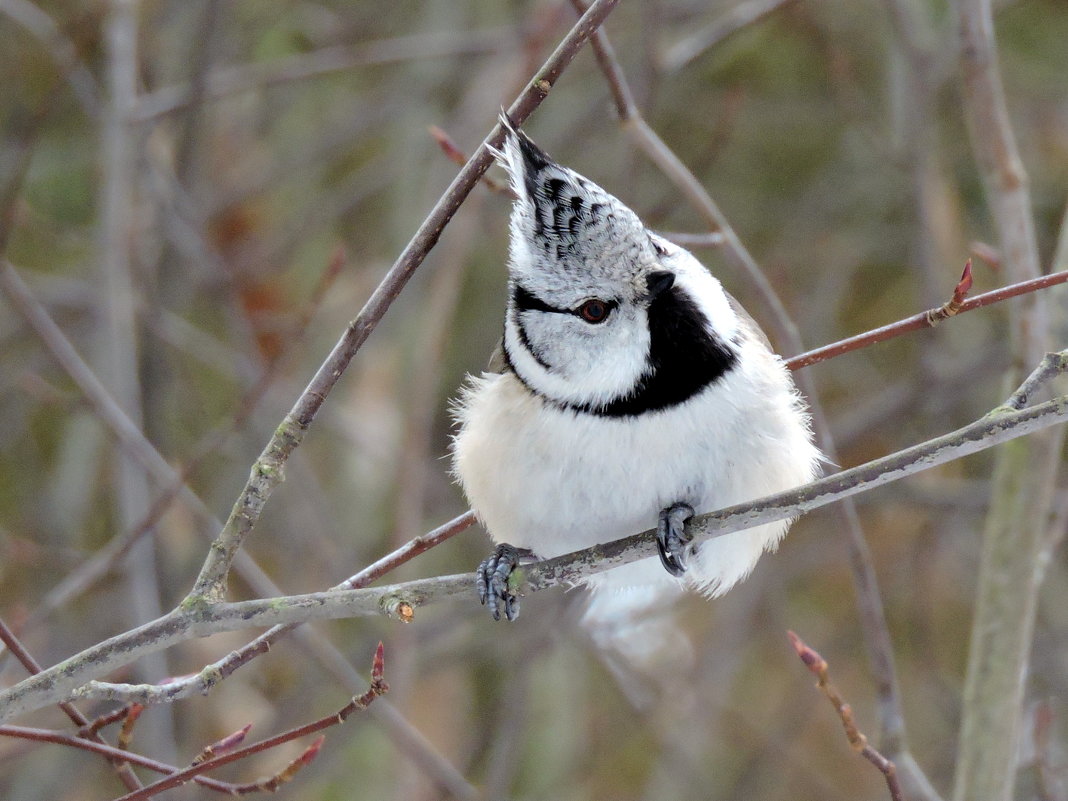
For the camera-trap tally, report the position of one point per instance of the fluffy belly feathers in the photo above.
(556, 481)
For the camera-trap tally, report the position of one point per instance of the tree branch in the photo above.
(926, 319)
(109, 751)
(1015, 532)
(69, 678)
(202, 765)
(33, 667)
(817, 665)
(267, 471)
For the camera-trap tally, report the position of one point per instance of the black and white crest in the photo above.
(604, 316)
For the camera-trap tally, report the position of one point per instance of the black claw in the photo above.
(492, 581)
(672, 537)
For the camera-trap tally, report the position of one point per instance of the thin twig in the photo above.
(922, 320)
(378, 687)
(111, 752)
(33, 667)
(859, 743)
(454, 154)
(231, 80)
(739, 17)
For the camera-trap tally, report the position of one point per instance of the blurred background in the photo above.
(177, 179)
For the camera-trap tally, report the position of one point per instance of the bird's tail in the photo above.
(633, 622)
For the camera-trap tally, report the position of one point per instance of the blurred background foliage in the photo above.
(266, 135)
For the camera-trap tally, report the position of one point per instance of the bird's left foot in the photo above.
(672, 537)
(492, 580)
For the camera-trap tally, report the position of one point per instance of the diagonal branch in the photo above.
(357, 704)
(111, 752)
(267, 471)
(817, 665)
(923, 320)
(33, 667)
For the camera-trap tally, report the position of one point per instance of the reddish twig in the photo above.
(286, 774)
(98, 723)
(859, 743)
(458, 157)
(378, 687)
(925, 319)
(409, 550)
(111, 752)
(223, 746)
(7, 636)
(128, 723)
(88, 736)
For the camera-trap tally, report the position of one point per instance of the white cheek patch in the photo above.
(572, 362)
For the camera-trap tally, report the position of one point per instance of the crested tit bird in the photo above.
(634, 393)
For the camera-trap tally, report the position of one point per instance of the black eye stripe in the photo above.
(525, 300)
(528, 301)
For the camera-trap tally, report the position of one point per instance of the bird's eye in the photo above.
(594, 311)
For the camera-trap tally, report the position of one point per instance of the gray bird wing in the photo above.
(497, 364)
(748, 324)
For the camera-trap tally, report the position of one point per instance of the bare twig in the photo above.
(740, 16)
(223, 746)
(378, 687)
(101, 722)
(126, 732)
(923, 320)
(111, 752)
(327, 60)
(1015, 533)
(69, 679)
(857, 741)
(456, 156)
(33, 667)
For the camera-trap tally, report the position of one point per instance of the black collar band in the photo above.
(684, 359)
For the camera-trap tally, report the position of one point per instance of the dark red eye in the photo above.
(594, 311)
